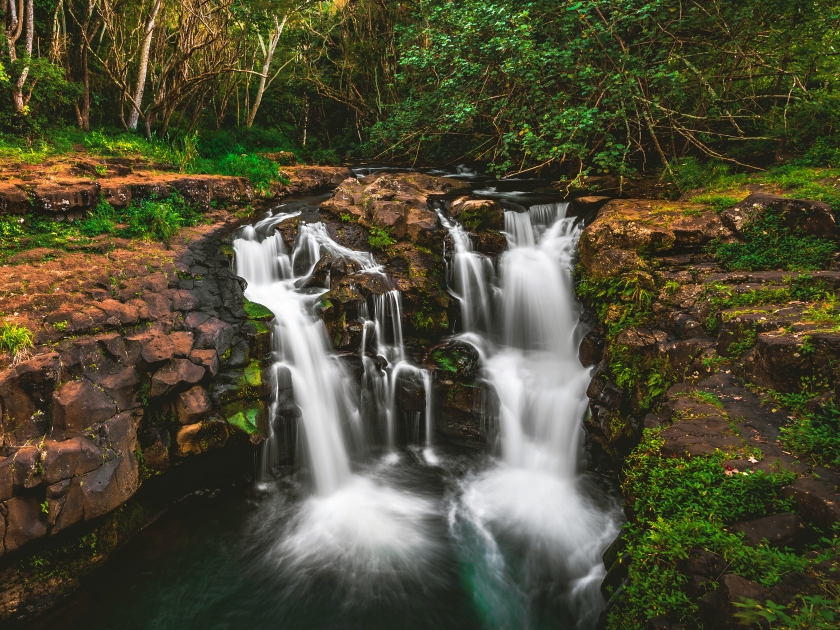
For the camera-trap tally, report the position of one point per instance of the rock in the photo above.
(122, 386)
(816, 501)
(66, 196)
(812, 217)
(118, 195)
(198, 438)
(13, 200)
(70, 508)
(183, 342)
(779, 530)
(215, 334)
(793, 584)
(479, 214)
(26, 392)
(208, 359)
(701, 567)
(588, 204)
(717, 609)
(184, 300)
(156, 451)
(152, 347)
(193, 405)
(63, 460)
(631, 225)
(177, 373)
(615, 575)
(24, 522)
(109, 486)
(28, 468)
(410, 391)
(123, 313)
(80, 404)
(591, 349)
(489, 242)
(454, 359)
(6, 477)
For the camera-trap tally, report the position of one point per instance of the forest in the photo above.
(573, 87)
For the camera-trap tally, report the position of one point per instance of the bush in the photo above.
(16, 340)
(102, 220)
(152, 219)
(261, 171)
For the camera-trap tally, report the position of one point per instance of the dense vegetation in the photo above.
(580, 85)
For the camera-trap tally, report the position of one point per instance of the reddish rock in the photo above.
(109, 486)
(118, 195)
(208, 359)
(183, 342)
(183, 300)
(70, 508)
(177, 373)
(479, 214)
(158, 304)
(24, 521)
(66, 459)
(123, 313)
(80, 404)
(25, 395)
(6, 477)
(193, 405)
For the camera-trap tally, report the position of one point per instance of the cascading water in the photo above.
(534, 500)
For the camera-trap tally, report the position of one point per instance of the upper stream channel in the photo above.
(369, 533)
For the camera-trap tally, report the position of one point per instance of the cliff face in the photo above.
(715, 372)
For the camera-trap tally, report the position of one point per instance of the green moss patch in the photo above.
(257, 311)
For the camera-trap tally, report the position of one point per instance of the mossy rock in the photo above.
(257, 311)
(248, 417)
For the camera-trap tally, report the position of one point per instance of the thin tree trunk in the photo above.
(17, 90)
(144, 68)
(272, 46)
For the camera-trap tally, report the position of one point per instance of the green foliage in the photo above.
(685, 503)
(261, 171)
(620, 302)
(380, 238)
(813, 612)
(102, 220)
(770, 245)
(811, 434)
(16, 340)
(258, 311)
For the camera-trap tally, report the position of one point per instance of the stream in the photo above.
(371, 535)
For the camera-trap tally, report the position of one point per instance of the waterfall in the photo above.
(300, 348)
(529, 355)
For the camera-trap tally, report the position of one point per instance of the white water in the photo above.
(533, 499)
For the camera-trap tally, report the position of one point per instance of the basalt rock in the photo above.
(811, 217)
(777, 530)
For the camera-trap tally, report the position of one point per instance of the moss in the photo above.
(257, 311)
(253, 374)
(246, 421)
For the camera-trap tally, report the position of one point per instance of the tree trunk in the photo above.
(17, 90)
(272, 46)
(144, 68)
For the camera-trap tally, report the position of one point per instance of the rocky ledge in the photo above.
(702, 361)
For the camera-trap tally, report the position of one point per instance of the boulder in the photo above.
(122, 386)
(80, 404)
(701, 567)
(183, 342)
(121, 313)
(24, 522)
(717, 609)
(410, 391)
(70, 508)
(811, 217)
(109, 486)
(151, 348)
(178, 373)
(193, 405)
(7, 477)
(591, 349)
(26, 392)
(117, 194)
(778, 530)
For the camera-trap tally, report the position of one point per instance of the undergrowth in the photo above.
(685, 503)
(814, 435)
(380, 238)
(16, 340)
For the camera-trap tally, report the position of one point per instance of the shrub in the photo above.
(261, 171)
(152, 219)
(102, 220)
(16, 340)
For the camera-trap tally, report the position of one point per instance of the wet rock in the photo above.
(591, 349)
(616, 574)
(193, 405)
(410, 391)
(155, 448)
(24, 522)
(589, 204)
(454, 359)
(80, 404)
(812, 217)
(178, 373)
(478, 214)
(489, 242)
(778, 530)
(198, 438)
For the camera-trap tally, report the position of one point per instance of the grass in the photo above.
(16, 340)
(147, 219)
(685, 503)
